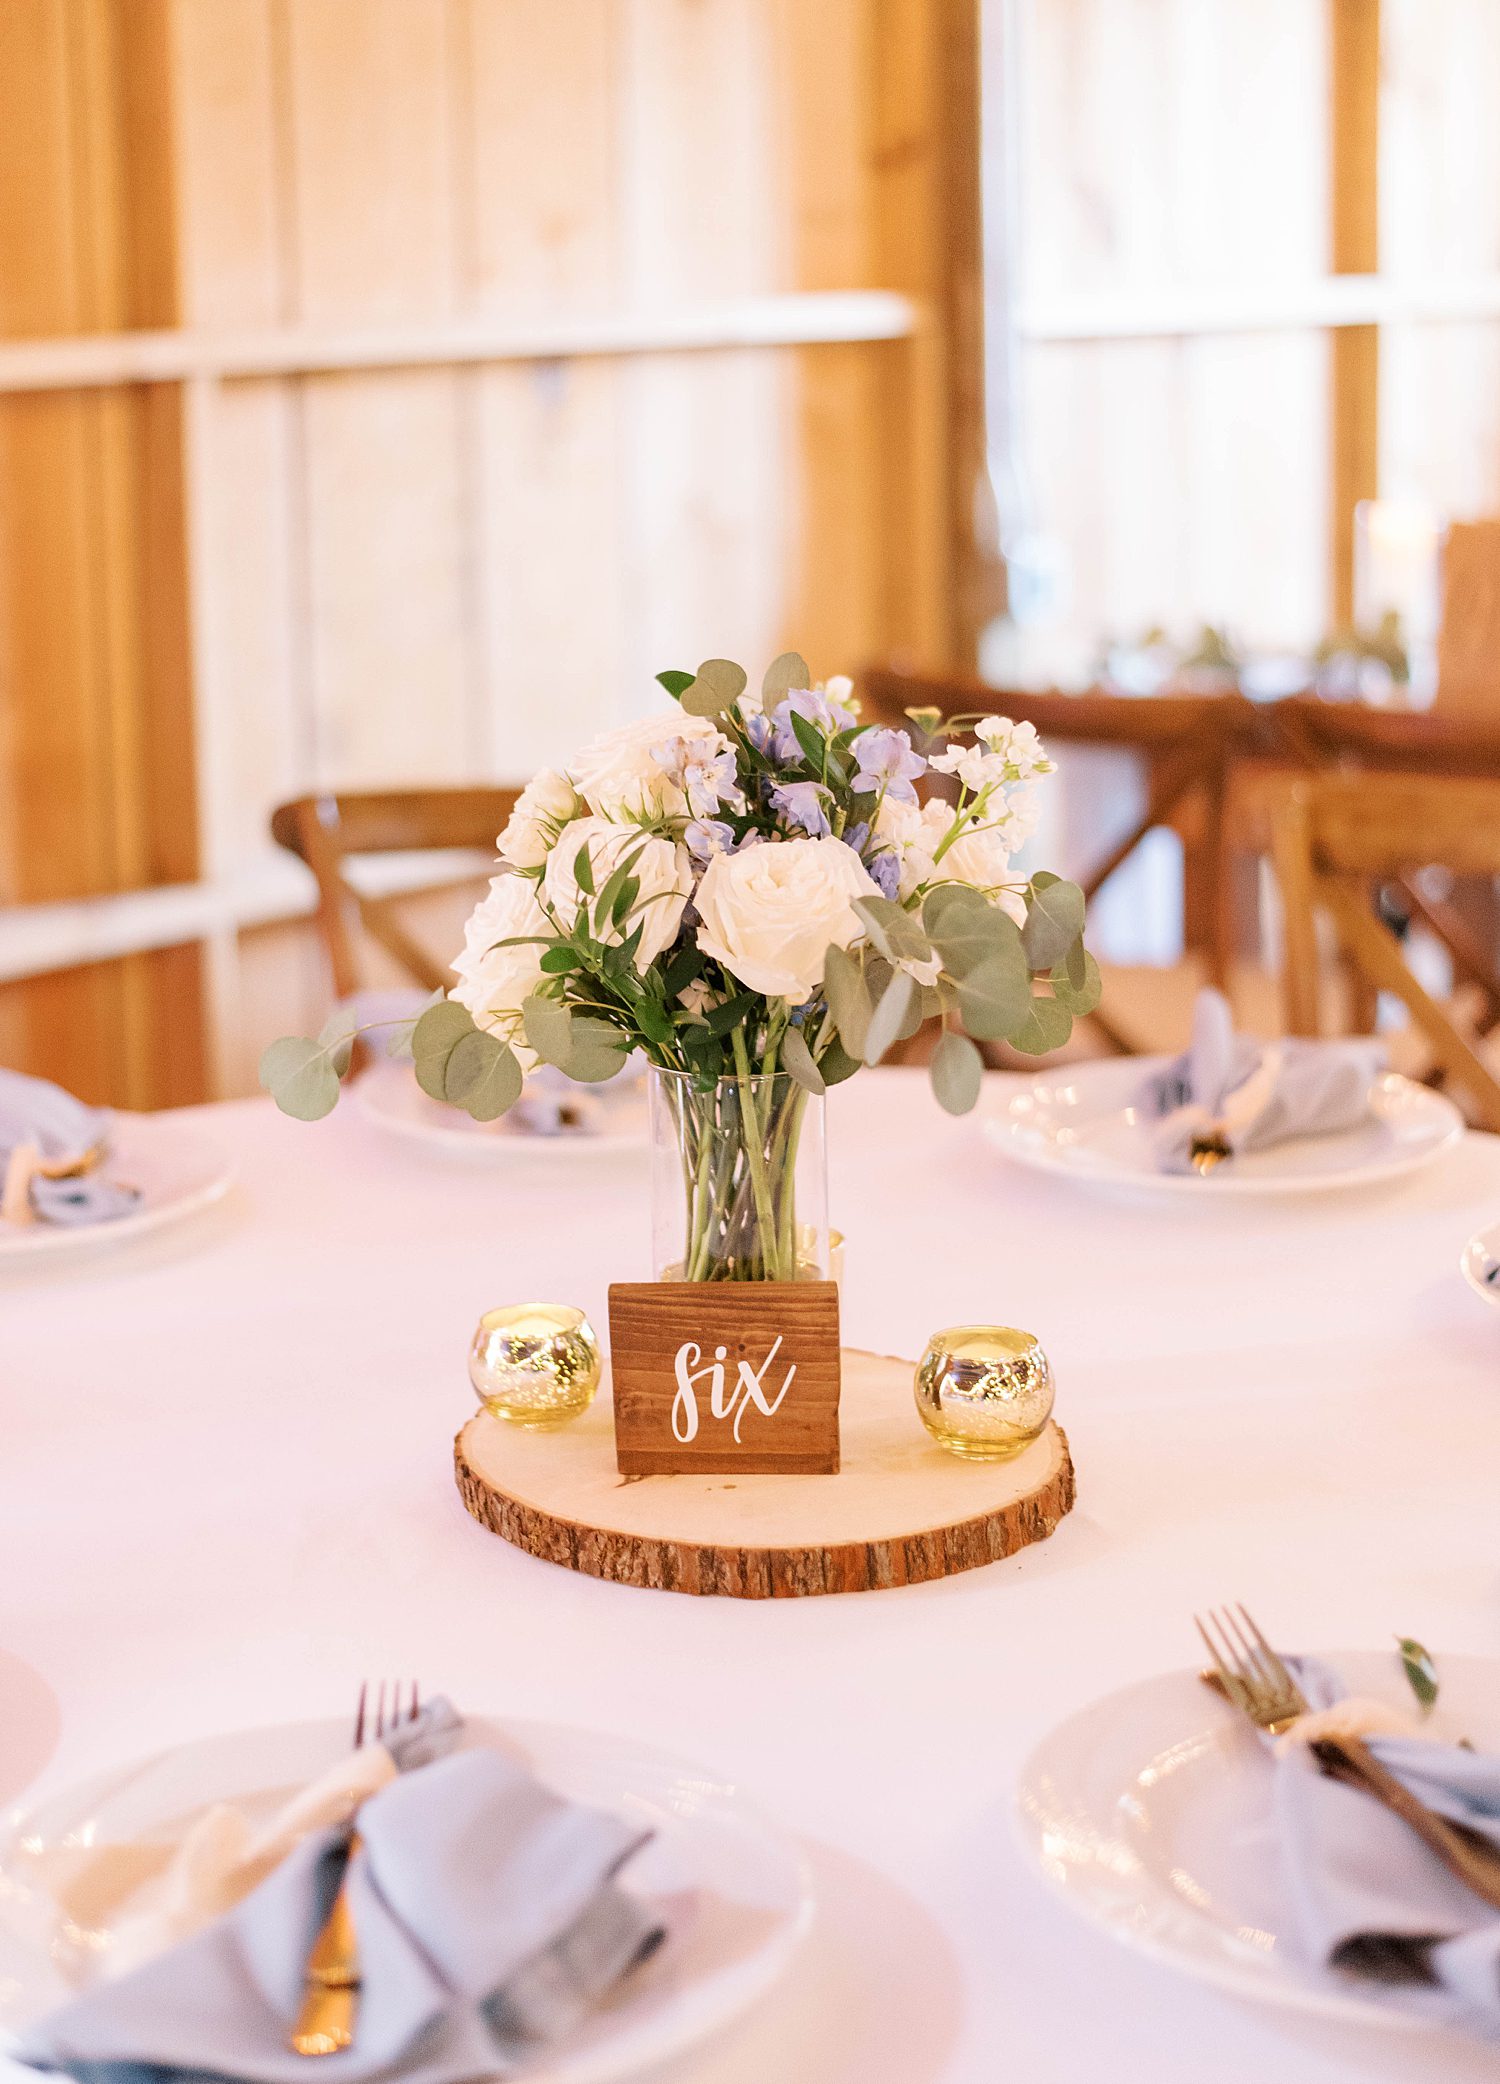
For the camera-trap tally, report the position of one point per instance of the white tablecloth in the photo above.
(226, 1495)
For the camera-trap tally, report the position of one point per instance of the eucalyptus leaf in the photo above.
(836, 1064)
(434, 1039)
(675, 681)
(718, 685)
(896, 933)
(782, 675)
(848, 998)
(398, 1041)
(889, 1017)
(797, 1061)
(548, 1027)
(298, 1075)
(337, 1036)
(1421, 1672)
(1047, 1026)
(1081, 997)
(1054, 920)
(598, 1050)
(966, 929)
(490, 1074)
(995, 996)
(956, 1070)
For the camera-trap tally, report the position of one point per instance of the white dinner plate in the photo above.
(1150, 1812)
(740, 1890)
(1481, 1264)
(178, 1169)
(388, 1095)
(1082, 1123)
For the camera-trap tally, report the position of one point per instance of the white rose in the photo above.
(662, 869)
(913, 835)
(542, 808)
(495, 981)
(619, 776)
(770, 914)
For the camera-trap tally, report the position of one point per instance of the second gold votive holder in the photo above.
(984, 1391)
(535, 1364)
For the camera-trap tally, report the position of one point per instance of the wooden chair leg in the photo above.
(1291, 856)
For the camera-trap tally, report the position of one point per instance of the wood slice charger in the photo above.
(900, 1510)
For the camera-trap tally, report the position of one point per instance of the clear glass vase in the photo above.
(739, 1179)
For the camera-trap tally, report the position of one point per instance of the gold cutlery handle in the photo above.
(1471, 1859)
(330, 2000)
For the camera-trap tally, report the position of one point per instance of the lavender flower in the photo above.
(706, 837)
(703, 767)
(758, 729)
(887, 762)
(814, 708)
(802, 803)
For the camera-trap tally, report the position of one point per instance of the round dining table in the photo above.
(227, 1497)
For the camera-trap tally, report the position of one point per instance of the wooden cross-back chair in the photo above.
(1186, 741)
(325, 830)
(1337, 835)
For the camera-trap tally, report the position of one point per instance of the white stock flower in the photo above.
(770, 914)
(1017, 744)
(975, 766)
(913, 835)
(660, 867)
(619, 776)
(543, 807)
(495, 981)
(981, 858)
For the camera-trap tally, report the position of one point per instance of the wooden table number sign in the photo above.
(725, 1378)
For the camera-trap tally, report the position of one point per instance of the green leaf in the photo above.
(784, 673)
(399, 1038)
(814, 745)
(675, 681)
(1083, 996)
(966, 929)
(558, 961)
(298, 1075)
(848, 999)
(583, 871)
(1047, 1026)
(926, 720)
(895, 932)
(548, 1027)
(797, 1061)
(957, 1071)
(995, 997)
(889, 1017)
(1054, 920)
(718, 685)
(483, 1076)
(605, 905)
(434, 1038)
(720, 1019)
(836, 1064)
(1421, 1672)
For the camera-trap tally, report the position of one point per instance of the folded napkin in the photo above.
(489, 1922)
(1250, 1094)
(1368, 1896)
(552, 1104)
(42, 1126)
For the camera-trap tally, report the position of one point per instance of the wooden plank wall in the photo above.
(433, 574)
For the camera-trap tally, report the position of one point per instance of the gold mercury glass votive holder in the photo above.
(984, 1390)
(535, 1364)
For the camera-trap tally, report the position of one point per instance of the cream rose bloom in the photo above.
(618, 775)
(663, 870)
(544, 805)
(770, 914)
(495, 981)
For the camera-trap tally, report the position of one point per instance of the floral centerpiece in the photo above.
(747, 889)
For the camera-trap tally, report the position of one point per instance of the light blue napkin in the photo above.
(1254, 1094)
(489, 1923)
(33, 1111)
(1368, 1897)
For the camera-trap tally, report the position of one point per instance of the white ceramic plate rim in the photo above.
(1005, 1131)
(681, 2018)
(1482, 1250)
(1159, 1923)
(374, 1092)
(136, 1138)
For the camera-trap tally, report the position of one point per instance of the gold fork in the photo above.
(1254, 1679)
(330, 1997)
